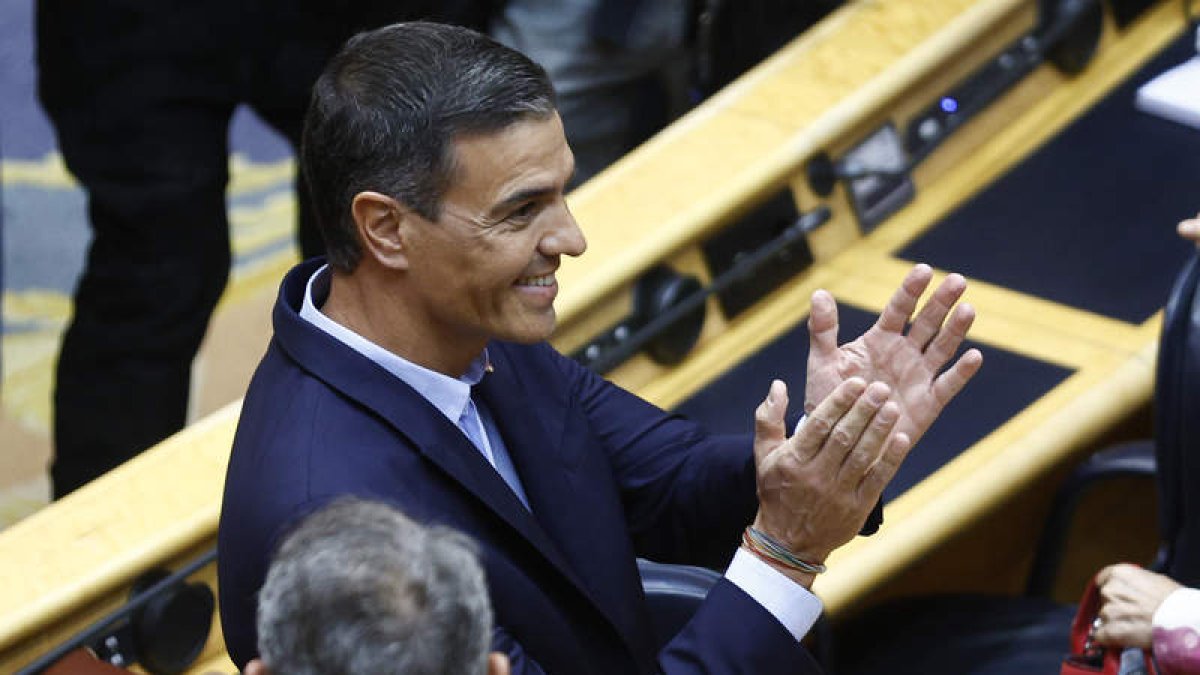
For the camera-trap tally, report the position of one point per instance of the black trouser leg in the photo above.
(141, 310)
(141, 113)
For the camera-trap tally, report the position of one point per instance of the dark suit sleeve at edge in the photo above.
(730, 633)
(687, 494)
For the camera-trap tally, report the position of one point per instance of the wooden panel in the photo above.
(748, 140)
(83, 551)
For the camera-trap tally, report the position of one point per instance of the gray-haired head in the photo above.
(360, 588)
(386, 110)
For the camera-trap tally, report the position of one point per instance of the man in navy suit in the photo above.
(411, 367)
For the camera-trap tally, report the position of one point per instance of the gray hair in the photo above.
(386, 110)
(360, 588)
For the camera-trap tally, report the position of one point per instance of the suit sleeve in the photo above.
(687, 494)
(732, 633)
(754, 644)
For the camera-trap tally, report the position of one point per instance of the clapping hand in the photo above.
(815, 488)
(909, 363)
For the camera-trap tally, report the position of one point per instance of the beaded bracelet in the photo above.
(763, 545)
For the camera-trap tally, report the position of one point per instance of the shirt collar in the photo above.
(449, 395)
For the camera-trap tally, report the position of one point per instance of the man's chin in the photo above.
(533, 332)
(532, 338)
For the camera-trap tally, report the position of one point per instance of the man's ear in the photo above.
(497, 664)
(380, 222)
(256, 667)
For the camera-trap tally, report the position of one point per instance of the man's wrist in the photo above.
(790, 603)
(769, 548)
(802, 578)
(813, 556)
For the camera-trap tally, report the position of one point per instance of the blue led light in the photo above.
(949, 105)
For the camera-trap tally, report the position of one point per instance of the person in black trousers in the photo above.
(140, 94)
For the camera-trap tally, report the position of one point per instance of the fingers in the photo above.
(884, 469)
(848, 431)
(1134, 585)
(1120, 584)
(845, 446)
(1129, 598)
(810, 492)
(1105, 573)
(929, 319)
(871, 444)
(822, 324)
(1113, 573)
(1125, 623)
(950, 337)
(948, 384)
(824, 418)
(904, 301)
(938, 342)
(769, 425)
(1125, 631)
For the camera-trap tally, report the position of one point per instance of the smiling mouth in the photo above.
(544, 280)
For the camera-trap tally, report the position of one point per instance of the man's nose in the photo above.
(564, 236)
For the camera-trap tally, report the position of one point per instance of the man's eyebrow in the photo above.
(520, 197)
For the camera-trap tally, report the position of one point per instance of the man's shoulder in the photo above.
(285, 390)
(290, 415)
(540, 360)
(280, 394)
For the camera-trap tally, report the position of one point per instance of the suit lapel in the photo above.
(533, 435)
(547, 460)
(444, 444)
(415, 418)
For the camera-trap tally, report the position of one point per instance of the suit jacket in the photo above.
(608, 476)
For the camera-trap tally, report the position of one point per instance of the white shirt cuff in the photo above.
(1180, 609)
(791, 604)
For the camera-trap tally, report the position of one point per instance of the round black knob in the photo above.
(170, 631)
(1073, 28)
(658, 291)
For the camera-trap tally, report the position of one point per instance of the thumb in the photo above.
(769, 425)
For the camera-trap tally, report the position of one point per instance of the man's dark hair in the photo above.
(386, 110)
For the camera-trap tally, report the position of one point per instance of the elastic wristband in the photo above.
(761, 544)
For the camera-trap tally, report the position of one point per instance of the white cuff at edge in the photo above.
(1181, 608)
(791, 604)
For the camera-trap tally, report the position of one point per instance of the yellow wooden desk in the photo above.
(871, 61)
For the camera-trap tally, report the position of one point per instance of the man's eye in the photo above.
(525, 213)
